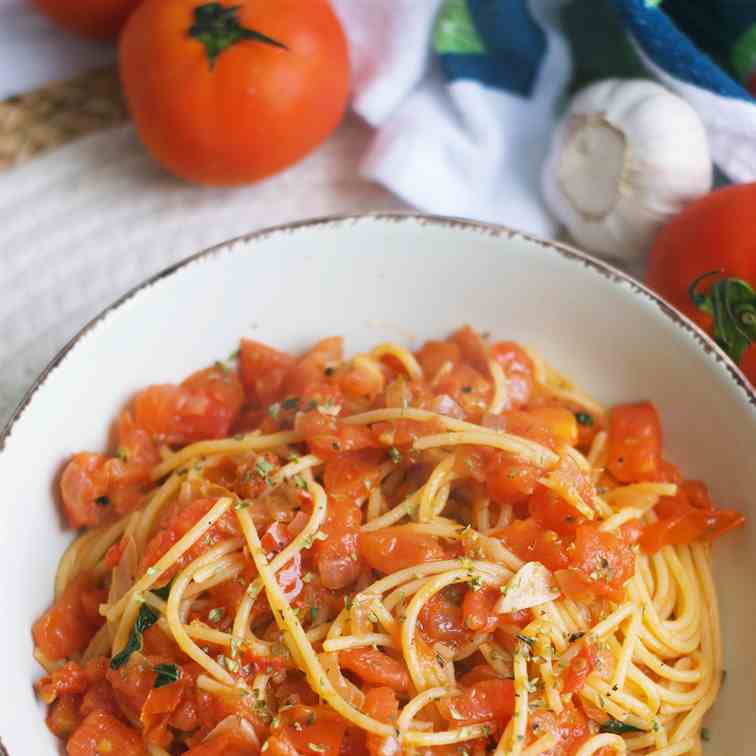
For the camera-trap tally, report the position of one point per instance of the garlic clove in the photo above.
(626, 157)
(532, 585)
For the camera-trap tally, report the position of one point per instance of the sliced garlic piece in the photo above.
(532, 585)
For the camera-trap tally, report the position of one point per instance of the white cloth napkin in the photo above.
(84, 224)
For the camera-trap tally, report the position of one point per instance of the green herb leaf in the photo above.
(615, 727)
(731, 302)
(218, 28)
(395, 455)
(584, 418)
(705, 734)
(102, 501)
(146, 618)
(291, 404)
(525, 639)
(166, 674)
(163, 592)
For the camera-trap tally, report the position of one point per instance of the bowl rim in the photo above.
(605, 269)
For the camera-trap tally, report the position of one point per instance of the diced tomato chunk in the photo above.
(580, 669)
(472, 347)
(311, 367)
(351, 477)
(605, 561)
(468, 387)
(381, 704)
(393, 549)
(478, 609)
(263, 370)
(635, 442)
(204, 406)
(441, 618)
(484, 701)
(101, 733)
(404, 432)
(64, 717)
(337, 556)
(327, 436)
(302, 725)
(435, 354)
(83, 482)
(67, 626)
(376, 668)
(529, 541)
(552, 512)
(510, 481)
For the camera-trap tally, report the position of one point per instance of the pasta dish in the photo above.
(453, 551)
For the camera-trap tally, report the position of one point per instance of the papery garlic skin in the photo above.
(627, 156)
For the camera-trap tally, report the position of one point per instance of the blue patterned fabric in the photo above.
(704, 50)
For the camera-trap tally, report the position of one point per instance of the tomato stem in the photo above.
(218, 28)
(731, 303)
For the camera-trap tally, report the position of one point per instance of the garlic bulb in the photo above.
(626, 157)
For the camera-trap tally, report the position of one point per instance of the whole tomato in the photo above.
(229, 92)
(704, 263)
(99, 19)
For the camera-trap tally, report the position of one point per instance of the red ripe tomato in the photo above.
(441, 618)
(337, 556)
(553, 513)
(435, 354)
(635, 441)
(204, 406)
(68, 625)
(376, 668)
(301, 725)
(518, 367)
(484, 701)
(393, 549)
(605, 561)
(263, 370)
(509, 481)
(713, 235)
(98, 728)
(529, 541)
(351, 477)
(99, 19)
(230, 92)
(580, 668)
(380, 704)
(328, 436)
(478, 609)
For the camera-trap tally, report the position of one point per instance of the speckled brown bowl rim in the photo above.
(609, 272)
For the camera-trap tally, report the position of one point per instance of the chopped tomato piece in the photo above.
(393, 549)
(529, 541)
(604, 560)
(570, 726)
(83, 484)
(101, 733)
(580, 669)
(311, 367)
(509, 481)
(327, 436)
(529, 425)
(571, 483)
(441, 618)
(381, 704)
(263, 370)
(376, 668)
(131, 686)
(468, 387)
(337, 556)
(231, 742)
(552, 512)
(69, 625)
(473, 348)
(204, 406)
(478, 609)
(635, 441)
(484, 701)
(66, 680)
(518, 368)
(64, 717)
(434, 355)
(302, 725)
(351, 477)
(178, 523)
(560, 421)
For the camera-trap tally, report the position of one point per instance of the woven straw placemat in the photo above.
(59, 113)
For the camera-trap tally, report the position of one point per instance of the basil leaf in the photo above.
(615, 727)
(166, 674)
(162, 592)
(146, 618)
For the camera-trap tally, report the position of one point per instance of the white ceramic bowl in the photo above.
(372, 278)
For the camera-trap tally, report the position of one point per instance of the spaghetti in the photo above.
(451, 552)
